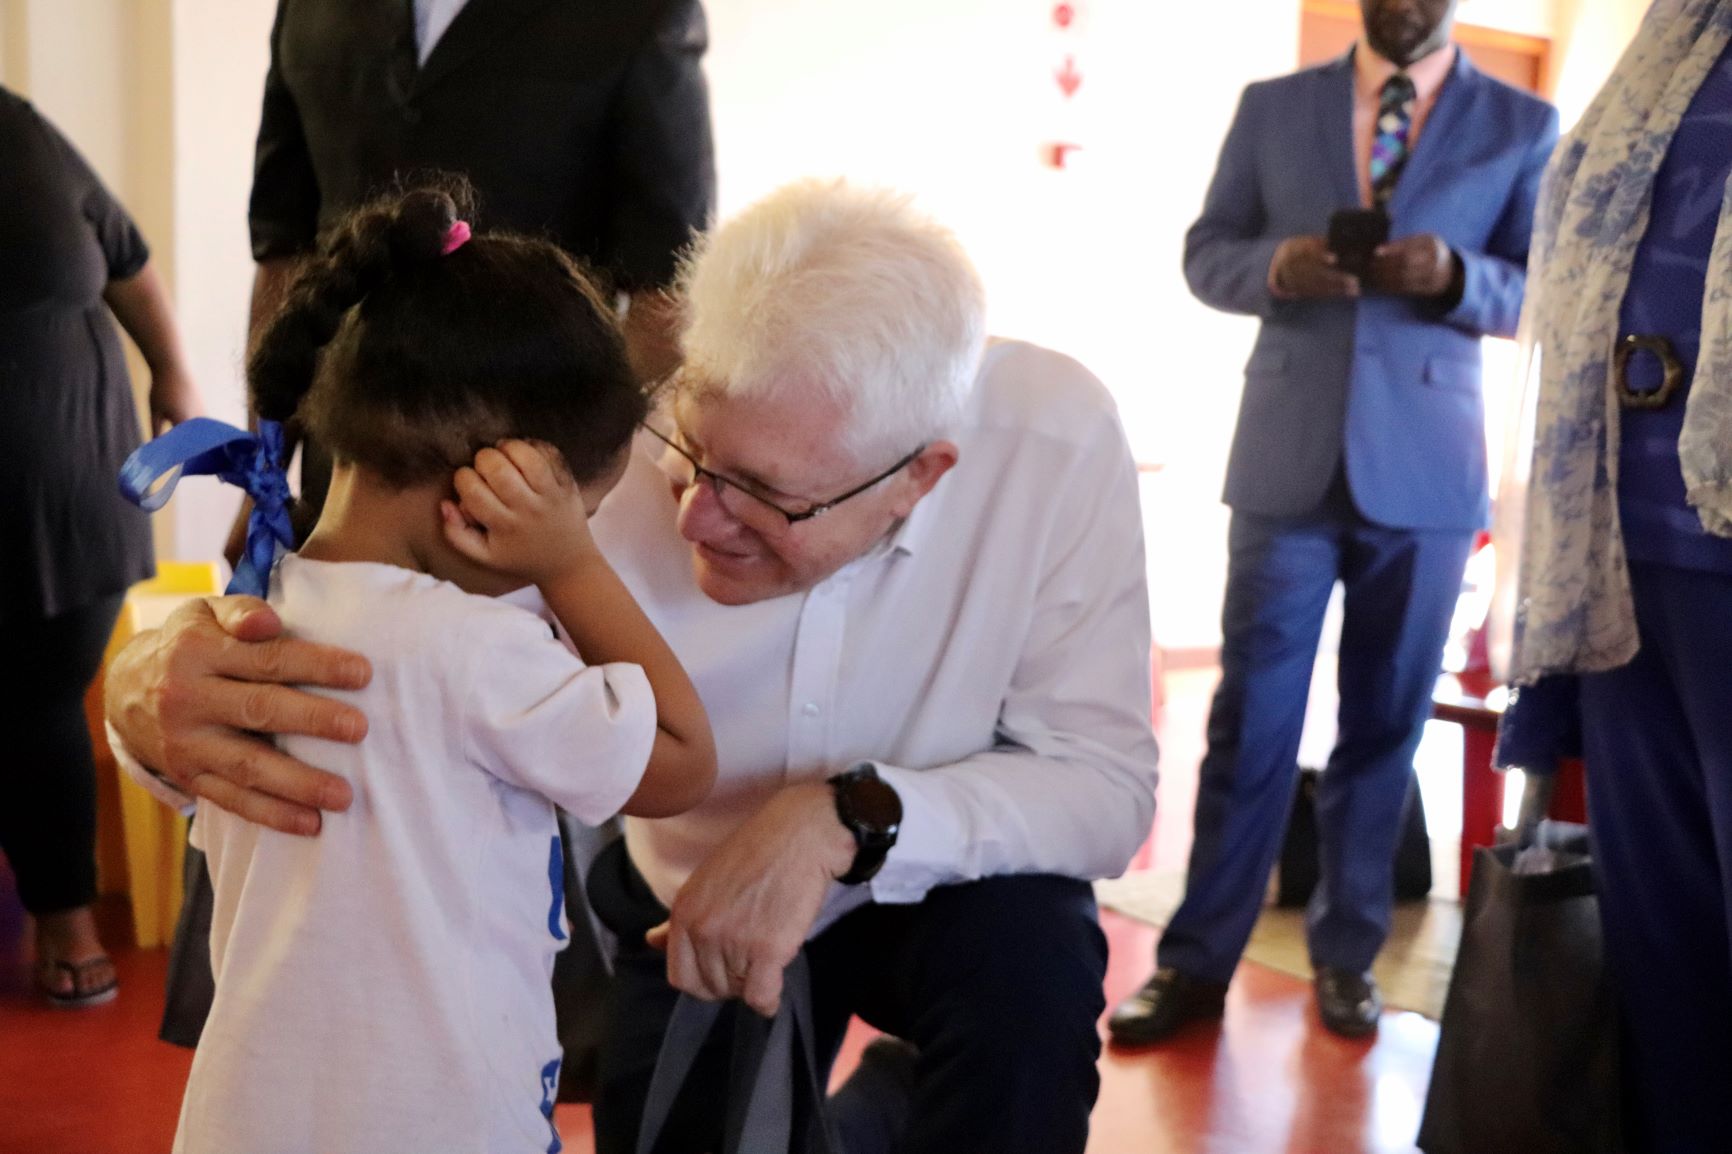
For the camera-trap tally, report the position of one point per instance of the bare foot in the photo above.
(70, 937)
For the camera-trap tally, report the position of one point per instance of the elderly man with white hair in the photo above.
(904, 567)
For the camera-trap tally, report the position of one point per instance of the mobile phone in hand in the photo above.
(1354, 235)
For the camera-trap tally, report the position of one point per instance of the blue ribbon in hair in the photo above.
(251, 461)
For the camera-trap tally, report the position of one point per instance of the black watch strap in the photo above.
(869, 808)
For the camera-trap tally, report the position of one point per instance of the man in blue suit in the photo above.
(1359, 457)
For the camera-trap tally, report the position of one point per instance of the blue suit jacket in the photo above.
(1391, 384)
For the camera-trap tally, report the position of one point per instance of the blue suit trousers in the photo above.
(1401, 587)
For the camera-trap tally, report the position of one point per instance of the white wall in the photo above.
(1592, 35)
(221, 51)
(1528, 17)
(953, 101)
(82, 100)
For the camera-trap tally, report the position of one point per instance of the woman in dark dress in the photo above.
(71, 545)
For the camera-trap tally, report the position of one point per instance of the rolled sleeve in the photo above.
(154, 784)
(932, 846)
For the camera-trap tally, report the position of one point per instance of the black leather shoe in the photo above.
(1348, 1002)
(1167, 1001)
(872, 1109)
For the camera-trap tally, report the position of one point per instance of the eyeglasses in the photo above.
(750, 507)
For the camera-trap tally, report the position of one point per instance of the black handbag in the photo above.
(1296, 872)
(1527, 1061)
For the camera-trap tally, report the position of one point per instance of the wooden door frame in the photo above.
(1467, 35)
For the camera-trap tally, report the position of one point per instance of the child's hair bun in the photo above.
(400, 234)
(399, 353)
(418, 225)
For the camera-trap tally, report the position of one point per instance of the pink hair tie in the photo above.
(456, 237)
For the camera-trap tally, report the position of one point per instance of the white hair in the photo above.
(850, 291)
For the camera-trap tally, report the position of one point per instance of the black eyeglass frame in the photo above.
(718, 481)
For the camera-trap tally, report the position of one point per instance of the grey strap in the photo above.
(789, 1054)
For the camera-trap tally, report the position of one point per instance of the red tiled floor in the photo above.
(90, 1081)
(1272, 1080)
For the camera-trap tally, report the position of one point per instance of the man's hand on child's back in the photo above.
(192, 699)
(519, 512)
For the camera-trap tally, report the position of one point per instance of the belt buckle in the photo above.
(1674, 371)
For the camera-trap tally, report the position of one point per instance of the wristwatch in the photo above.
(870, 810)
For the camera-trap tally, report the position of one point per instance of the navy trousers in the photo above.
(1401, 588)
(1657, 736)
(997, 982)
(48, 823)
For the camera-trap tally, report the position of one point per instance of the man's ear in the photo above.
(923, 472)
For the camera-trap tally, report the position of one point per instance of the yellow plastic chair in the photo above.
(142, 853)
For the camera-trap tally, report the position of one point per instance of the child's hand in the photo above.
(519, 512)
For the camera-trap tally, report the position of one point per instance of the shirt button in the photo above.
(810, 709)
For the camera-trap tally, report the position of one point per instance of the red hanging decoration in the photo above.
(1069, 79)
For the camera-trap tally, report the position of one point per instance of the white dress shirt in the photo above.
(991, 656)
(432, 18)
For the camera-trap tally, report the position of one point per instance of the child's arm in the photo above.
(521, 514)
(607, 625)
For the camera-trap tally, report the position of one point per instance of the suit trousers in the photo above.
(1657, 737)
(997, 982)
(1401, 587)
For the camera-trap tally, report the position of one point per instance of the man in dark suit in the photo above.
(584, 123)
(1359, 457)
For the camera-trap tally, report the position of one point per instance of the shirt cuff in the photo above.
(929, 846)
(1451, 297)
(154, 783)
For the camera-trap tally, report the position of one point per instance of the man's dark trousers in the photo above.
(997, 982)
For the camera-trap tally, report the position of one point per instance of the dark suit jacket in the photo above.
(583, 121)
(1387, 387)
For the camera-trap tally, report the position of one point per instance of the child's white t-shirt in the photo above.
(384, 986)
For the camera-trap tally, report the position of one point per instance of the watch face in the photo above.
(873, 805)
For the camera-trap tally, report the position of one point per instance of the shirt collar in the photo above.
(908, 537)
(1428, 73)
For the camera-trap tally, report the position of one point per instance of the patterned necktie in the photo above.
(1389, 148)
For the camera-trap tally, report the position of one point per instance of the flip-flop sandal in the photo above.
(75, 1000)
